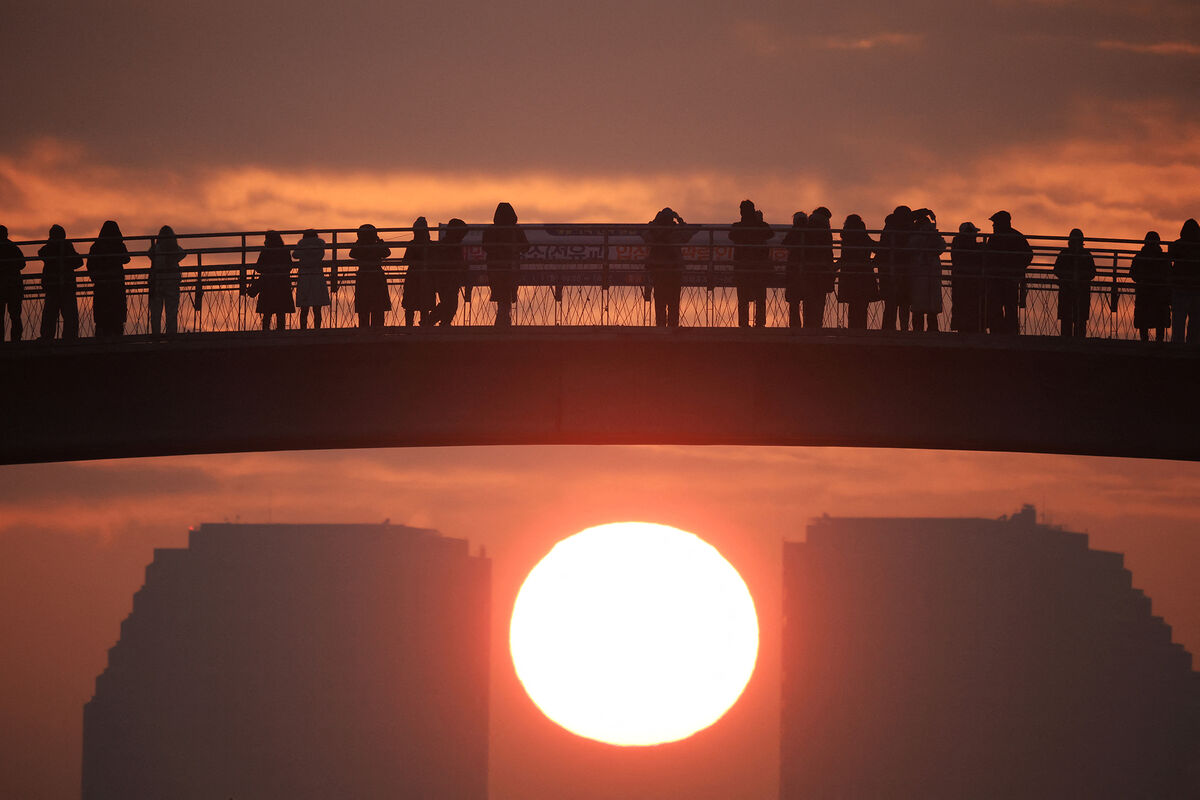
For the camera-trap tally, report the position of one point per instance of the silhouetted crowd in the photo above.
(903, 270)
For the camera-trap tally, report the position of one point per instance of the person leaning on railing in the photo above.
(312, 290)
(1185, 283)
(503, 245)
(793, 281)
(893, 259)
(817, 277)
(751, 262)
(1151, 274)
(419, 296)
(59, 262)
(371, 298)
(1075, 269)
(666, 235)
(106, 262)
(165, 278)
(856, 283)
(12, 288)
(966, 280)
(926, 246)
(448, 270)
(273, 283)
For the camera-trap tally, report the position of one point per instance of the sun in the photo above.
(633, 633)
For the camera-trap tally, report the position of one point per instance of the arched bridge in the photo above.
(229, 392)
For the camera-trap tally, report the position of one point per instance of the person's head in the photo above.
(1001, 221)
(902, 212)
(420, 228)
(57, 232)
(746, 209)
(854, 223)
(453, 231)
(367, 234)
(799, 219)
(820, 214)
(3, 231)
(1075, 239)
(664, 217)
(923, 219)
(1153, 239)
(505, 215)
(968, 228)
(1190, 232)
(110, 230)
(309, 233)
(166, 235)
(273, 239)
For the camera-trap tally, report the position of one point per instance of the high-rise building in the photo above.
(955, 658)
(298, 661)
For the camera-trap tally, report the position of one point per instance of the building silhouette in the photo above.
(953, 658)
(298, 661)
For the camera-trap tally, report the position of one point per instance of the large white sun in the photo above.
(634, 634)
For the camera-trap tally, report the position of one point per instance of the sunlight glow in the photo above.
(634, 634)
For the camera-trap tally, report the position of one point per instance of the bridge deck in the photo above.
(211, 393)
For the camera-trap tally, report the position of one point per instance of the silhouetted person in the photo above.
(1075, 269)
(312, 290)
(503, 245)
(274, 267)
(371, 298)
(893, 260)
(856, 283)
(106, 262)
(664, 264)
(1185, 283)
(1151, 274)
(165, 278)
(926, 246)
(1007, 255)
(751, 263)
(818, 276)
(59, 262)
(419, 295)
(12, 287)
(448, 270)
(966, 280)
(793, 288)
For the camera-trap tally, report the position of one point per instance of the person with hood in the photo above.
(274, 280)
(751, 263)
(419, 295)
(1007, 255)
(59, 262)
(893, 259)
(1075, 269)
(371, 298)
(448, 270)
(106, 267)
(856, 284)
(793, 286)
(12, 287)
(1185, 283)
(818, 277)
(312, 289)
(966, 280)
(503, 245)
(926, 246)
(666, 235)
(1151, 274)
(165, 278)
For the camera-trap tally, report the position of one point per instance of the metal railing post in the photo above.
(604, 282)
(242, 289)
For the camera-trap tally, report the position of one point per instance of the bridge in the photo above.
(231, 392)
(583, 365)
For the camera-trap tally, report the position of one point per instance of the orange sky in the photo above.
(234, 115)
(76, 537)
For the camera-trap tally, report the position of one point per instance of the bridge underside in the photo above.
(216, 393)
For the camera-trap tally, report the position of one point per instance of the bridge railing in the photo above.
(585, 275)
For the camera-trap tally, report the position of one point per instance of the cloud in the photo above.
(1186, 49)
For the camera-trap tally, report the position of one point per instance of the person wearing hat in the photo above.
(1007, 255)
(816, 281)
(966, 280)
(751, 263)
(12, 288)
(666, 235)
(371, 298)
(1075, 269)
